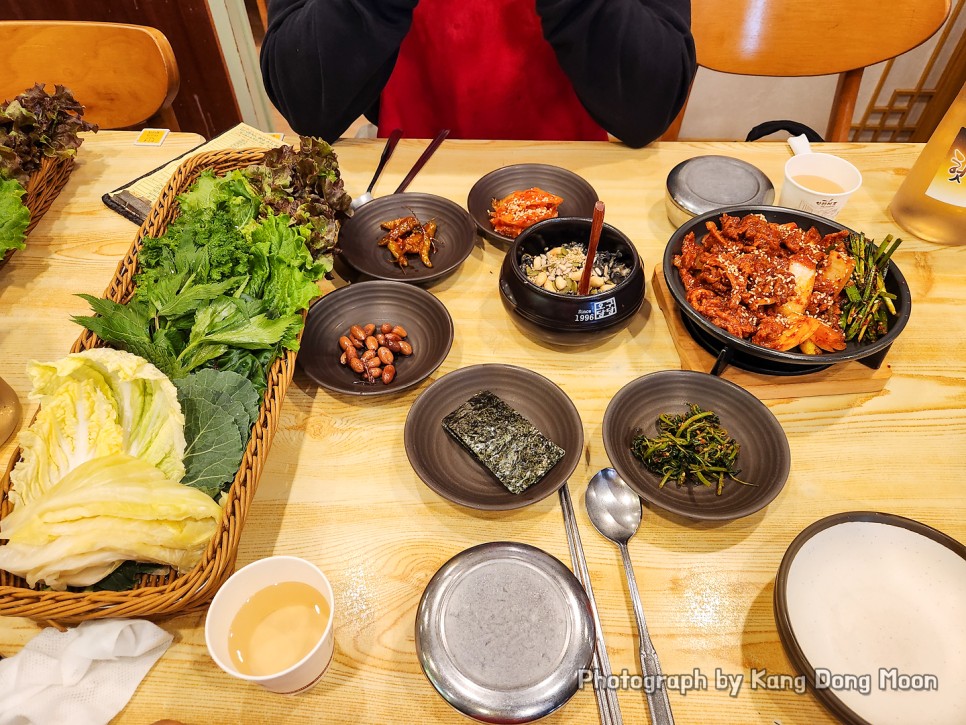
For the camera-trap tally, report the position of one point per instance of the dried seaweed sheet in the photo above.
(502, 440)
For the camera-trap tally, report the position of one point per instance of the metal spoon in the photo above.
(390, 146)
(615, 511)
(10, 411)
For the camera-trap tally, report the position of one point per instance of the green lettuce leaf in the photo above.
(290, 285)
(14, 216)
(225, 320)
(306, 185)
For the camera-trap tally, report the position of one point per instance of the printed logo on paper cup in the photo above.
(827, 208)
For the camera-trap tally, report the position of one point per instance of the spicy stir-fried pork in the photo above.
(774, 284)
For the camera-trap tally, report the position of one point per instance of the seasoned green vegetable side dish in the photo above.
(691, 447)
(867, 306)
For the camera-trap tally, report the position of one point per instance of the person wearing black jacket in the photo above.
(570, 69)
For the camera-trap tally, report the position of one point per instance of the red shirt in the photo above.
(483, 70)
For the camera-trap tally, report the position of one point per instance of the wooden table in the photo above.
(338, 489)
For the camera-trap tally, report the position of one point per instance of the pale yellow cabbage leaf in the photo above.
(106, 511)
(92, 404)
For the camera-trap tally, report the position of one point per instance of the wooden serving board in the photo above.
(843, 378)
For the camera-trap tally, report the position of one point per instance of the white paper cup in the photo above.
(797, 195)
(238, 589)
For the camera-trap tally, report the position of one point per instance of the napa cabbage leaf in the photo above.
(92, 404)
(107, 510)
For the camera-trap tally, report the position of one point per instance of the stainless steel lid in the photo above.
(502, 631)
(705, 183)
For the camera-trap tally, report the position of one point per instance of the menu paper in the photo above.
(134, 199)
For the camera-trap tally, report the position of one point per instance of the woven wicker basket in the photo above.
(43, 186)
(163, 595)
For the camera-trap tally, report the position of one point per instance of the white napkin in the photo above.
(84, 675)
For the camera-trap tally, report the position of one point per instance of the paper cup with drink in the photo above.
(272, 623)
(819, 183)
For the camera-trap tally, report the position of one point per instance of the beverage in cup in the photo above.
(271, 623)
(819, 183)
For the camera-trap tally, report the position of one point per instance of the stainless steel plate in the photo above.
(502, 631)
(704, 183)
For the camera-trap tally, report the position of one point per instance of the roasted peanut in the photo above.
(388, 373)
(370, 350)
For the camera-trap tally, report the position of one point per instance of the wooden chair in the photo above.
(124, 75)
(783, 38)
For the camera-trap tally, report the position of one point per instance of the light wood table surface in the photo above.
(338, 489)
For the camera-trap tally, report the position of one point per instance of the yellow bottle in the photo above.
(931, 203)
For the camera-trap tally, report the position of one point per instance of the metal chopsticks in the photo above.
(607, 703)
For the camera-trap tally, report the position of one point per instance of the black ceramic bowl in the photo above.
(570, 319)
(578, 195)
(894, 282)
(764, 458)
(450, 470)
(425, 318)
(360, 235)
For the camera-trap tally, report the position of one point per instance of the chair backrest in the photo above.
(809, 38)
(122, 74)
